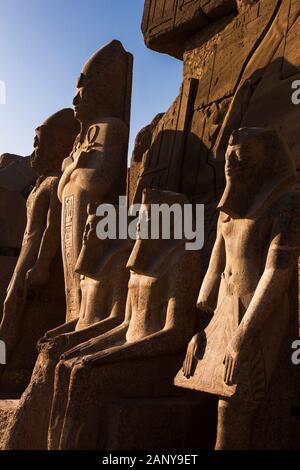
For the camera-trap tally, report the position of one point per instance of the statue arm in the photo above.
(73, 338)
(50, 243)
(64, 328)
(108, 332)
(178, 327)
(208, 295)
(280, 265)
(270, 290)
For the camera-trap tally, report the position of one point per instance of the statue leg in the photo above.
(29, 425)
(234, 424)
(93, 389)
(11, 324)
(60, 399)
(80, 429)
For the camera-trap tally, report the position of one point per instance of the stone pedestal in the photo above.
(163, 424)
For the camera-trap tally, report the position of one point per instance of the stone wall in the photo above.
(239, 64)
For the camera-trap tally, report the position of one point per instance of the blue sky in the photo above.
(44, 44)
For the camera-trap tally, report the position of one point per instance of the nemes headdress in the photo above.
(109, 73)
(272, 167)
(63, 129)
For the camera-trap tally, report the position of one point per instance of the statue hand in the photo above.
(193, 352)
(104, 357)
(55, 346)
(37, 276)
(231, 361)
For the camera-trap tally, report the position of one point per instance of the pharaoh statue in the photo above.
(139, 357)
(247, 283)
(17, 179)
(103, 281)
(95, 275)
(36, 284)
(96, 169)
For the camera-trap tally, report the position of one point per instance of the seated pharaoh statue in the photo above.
(37, 282)
(103, 281)
(139, 357)
(96, 170)
(95, 173)
(247, 283)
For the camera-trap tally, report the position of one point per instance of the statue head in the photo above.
(104, 85)
(152, 256)
(96, 255)
(258, 165)
(53, 141)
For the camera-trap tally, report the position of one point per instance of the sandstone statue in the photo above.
(17, 179)
(96, 169)
(138, 358)
(95, 275)
(247, 283)
(35, 296)
(103, 281)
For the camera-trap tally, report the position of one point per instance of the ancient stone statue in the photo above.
(37, 282)
(94, 173)
(138, 358)
(103, 281)
(96, 169)
(247, 283)
(17, 179)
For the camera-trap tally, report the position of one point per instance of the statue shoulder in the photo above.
(107, 131)
(286, 218)
(287, 206)
(51, 184)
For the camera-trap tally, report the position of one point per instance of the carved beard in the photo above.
(249, 198)
(154, 257)
(95, 259)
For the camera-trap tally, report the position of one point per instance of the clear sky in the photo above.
(44, 44)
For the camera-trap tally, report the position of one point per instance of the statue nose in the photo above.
(76, 99)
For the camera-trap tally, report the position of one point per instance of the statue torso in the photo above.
(149, 300)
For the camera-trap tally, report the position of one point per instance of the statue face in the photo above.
(90, 233)
(38, 159)
(242, 159)
(83, 101)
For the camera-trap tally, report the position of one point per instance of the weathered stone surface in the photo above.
(16, 181)
(8, 158)
(162, 424)
(7, 409)
(122, 363)
(247, 285)
(240, 59)
(37, 282)
(99, 266)
(96, 170)
(167, 24)
(141, 147)
(252, 64)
